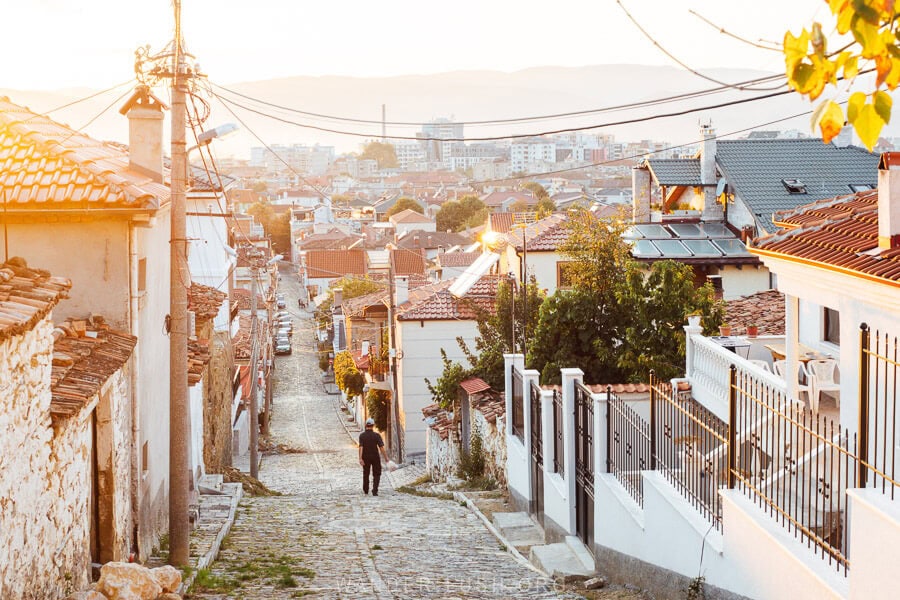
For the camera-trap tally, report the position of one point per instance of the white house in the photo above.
(408, 220)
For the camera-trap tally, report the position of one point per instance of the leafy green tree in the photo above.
(384, 153)
(352, 287)
(536, 189)
(378, 407)
(545, 207)
(260, 187)
(811, 67)
(454, 214)
(519, 206)
(658, 303)
(262, 212)
(402, 204)
(496, 333)
(343, 366)
(341, 200)
(445, 390)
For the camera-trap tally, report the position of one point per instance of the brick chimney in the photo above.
(712, 210)
(338, 298)
(889, 201)
(640, 193)
(145, 132)
(401, 289)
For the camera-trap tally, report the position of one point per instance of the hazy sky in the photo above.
(53, 44)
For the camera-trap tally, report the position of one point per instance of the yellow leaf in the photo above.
(868, 126)
(795, 48)
(893, 77)
(844, 19)
(883, 102)
(883, 65)
(854, 103)
(868, 36)
(831, 121)
(851, 67)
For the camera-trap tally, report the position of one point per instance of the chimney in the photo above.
(712, 210)
(145, 132)
(889, 201)
(401, 289)
(640, 190)
(338, 298)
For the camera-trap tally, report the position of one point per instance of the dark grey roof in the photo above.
(675, 171)
(754, 169)
(432, 239)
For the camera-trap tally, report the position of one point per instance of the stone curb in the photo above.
(460, 497)
(343, 421)
(206, 559)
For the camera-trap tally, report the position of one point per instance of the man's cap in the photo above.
(370, 422)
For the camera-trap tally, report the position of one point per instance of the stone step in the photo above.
(580, 550)
(212, 481)
(559, 561)
(518, 528)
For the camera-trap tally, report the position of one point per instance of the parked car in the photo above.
(284, 331)
(282, 347)
(280, 301)
(282, 338)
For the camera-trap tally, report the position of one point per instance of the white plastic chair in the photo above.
(762, 364)
(780, 367)
(821, 373)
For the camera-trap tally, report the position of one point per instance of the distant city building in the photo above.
(312, 160)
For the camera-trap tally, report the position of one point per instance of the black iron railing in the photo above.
(537, 442)
(518, 408)
(878, 378)
(690, 447)
(627, 445)
(558, 439)
(584, 464)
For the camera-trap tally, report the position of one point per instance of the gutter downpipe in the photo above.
(135, 412)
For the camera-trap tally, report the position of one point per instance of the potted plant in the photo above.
(752, 330)
(693, 318)
(724, 329)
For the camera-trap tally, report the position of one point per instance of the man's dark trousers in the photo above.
(375, 466)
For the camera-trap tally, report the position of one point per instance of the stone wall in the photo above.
(494, 442)
(45, 484)
(441, 455)
(217, 426)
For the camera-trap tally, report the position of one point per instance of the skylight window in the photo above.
(794, 186)
(861, 187)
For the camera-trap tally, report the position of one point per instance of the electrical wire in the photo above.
(681, 63)
(620, 107)
(226, 102)
(80, 100)
(758, 44)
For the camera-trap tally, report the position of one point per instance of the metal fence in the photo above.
(690, 446)
(878, 370)
(518, 405)
(558, 435)
(627, 445)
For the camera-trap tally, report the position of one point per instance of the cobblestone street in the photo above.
(323, 538)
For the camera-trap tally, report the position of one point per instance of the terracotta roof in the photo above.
(546, 235)
(836, 234)
(355, 306)
(361, 362)
(335, 263)
(241, 340)
(44, 164)
(240, 298)
(409, 216)
(205, 300)
(473, 385)
(438, 419)
(501, 222)
(198, 358)
(408, 262)
(332, 240)
(764, 309)
(495, 199)
(436, 303)
(433, 239)
(490, 404)
(619, 388)
(85, 356)
(27, 296)
(457, 259)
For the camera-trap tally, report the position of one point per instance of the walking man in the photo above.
(370, 444)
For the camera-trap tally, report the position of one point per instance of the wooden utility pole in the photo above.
(254, 372)
(180, 278)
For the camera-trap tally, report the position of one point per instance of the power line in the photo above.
(626, 106)
(681, 63)
(679, 113)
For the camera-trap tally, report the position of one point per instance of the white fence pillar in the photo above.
(569, 377)
(689, 348)
(508, 361)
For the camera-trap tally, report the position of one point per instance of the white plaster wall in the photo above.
(45, 484)
(195, 394)
(540, 264)
(93, 254)
(493, 438)
(421, 343)
(747, 280)
(402, 229)
(153, 381)
(119, 392)
(441, 456)
(874, 544)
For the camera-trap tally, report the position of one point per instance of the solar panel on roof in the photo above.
(702, 248)
(473, 273)
(714, 230)
(644, 249)
(653, 231)
(632, 234)
(732, 247)
(686, 230)
(671, 248)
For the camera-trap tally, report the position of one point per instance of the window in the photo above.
(861, 187)
(142, 275)
(794, 186)
(145, 458)
(564, 272)
(831, 326)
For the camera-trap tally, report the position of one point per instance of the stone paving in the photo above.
(325, 539)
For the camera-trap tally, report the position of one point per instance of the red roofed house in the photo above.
(538, 243)
(100, 214)
(320, 267)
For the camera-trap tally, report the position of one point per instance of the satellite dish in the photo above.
(720, 188)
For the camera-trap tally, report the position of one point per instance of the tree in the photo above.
(279, 231)
(519, 206)
(455, 214)
(545, 207)
(260, 187)
(262, 212)
(445, 391)
(810, 67)
(536, 189)
(352, 287)
(402, 204)
(378, 407)
(341, 200)
(658, 303)
(384, 153)
(496, 333)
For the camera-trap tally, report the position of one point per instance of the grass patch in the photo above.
(376, 547)
(422, 479)
(207, 581)
(480, 483)
(406, 489)
(286, 581)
